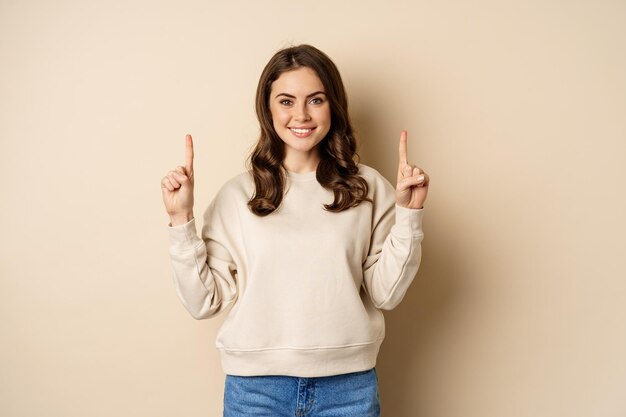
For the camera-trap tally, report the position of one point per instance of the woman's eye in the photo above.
(317, 100)
(285, 102)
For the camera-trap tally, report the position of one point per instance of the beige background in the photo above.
(515, 109)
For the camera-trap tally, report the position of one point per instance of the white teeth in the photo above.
(301, 130)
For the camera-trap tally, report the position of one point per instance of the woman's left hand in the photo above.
(413, 182)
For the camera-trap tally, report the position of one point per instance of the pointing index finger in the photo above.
(402, 149)
(188, 154)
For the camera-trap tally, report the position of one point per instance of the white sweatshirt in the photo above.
(303, 287)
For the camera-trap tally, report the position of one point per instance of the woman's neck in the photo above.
(304, 163)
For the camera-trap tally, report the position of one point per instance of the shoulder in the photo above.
(373, 177)
(381, 191)
(239, 181)
(236, 189)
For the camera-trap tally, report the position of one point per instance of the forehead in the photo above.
(299, 81)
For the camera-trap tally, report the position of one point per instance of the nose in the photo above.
(301, 113)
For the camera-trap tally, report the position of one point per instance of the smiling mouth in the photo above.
(301, 133)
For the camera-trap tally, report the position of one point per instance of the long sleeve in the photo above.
(302, 289)
(395, 251)
(205, 274)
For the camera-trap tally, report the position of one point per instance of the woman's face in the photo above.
(300, 111)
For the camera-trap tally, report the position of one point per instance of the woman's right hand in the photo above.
(177, 188)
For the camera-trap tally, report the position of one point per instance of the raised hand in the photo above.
(413, 182)
(177, 188)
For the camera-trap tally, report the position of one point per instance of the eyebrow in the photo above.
(310, 95)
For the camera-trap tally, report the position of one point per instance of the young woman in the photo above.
(304, 250)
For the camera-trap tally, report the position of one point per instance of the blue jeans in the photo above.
(347, 395)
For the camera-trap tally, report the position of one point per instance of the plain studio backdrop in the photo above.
(516, 109)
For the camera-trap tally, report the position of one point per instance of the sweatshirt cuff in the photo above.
(408, 222)
(183, 236)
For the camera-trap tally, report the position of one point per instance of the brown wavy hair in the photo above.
(337, 169)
